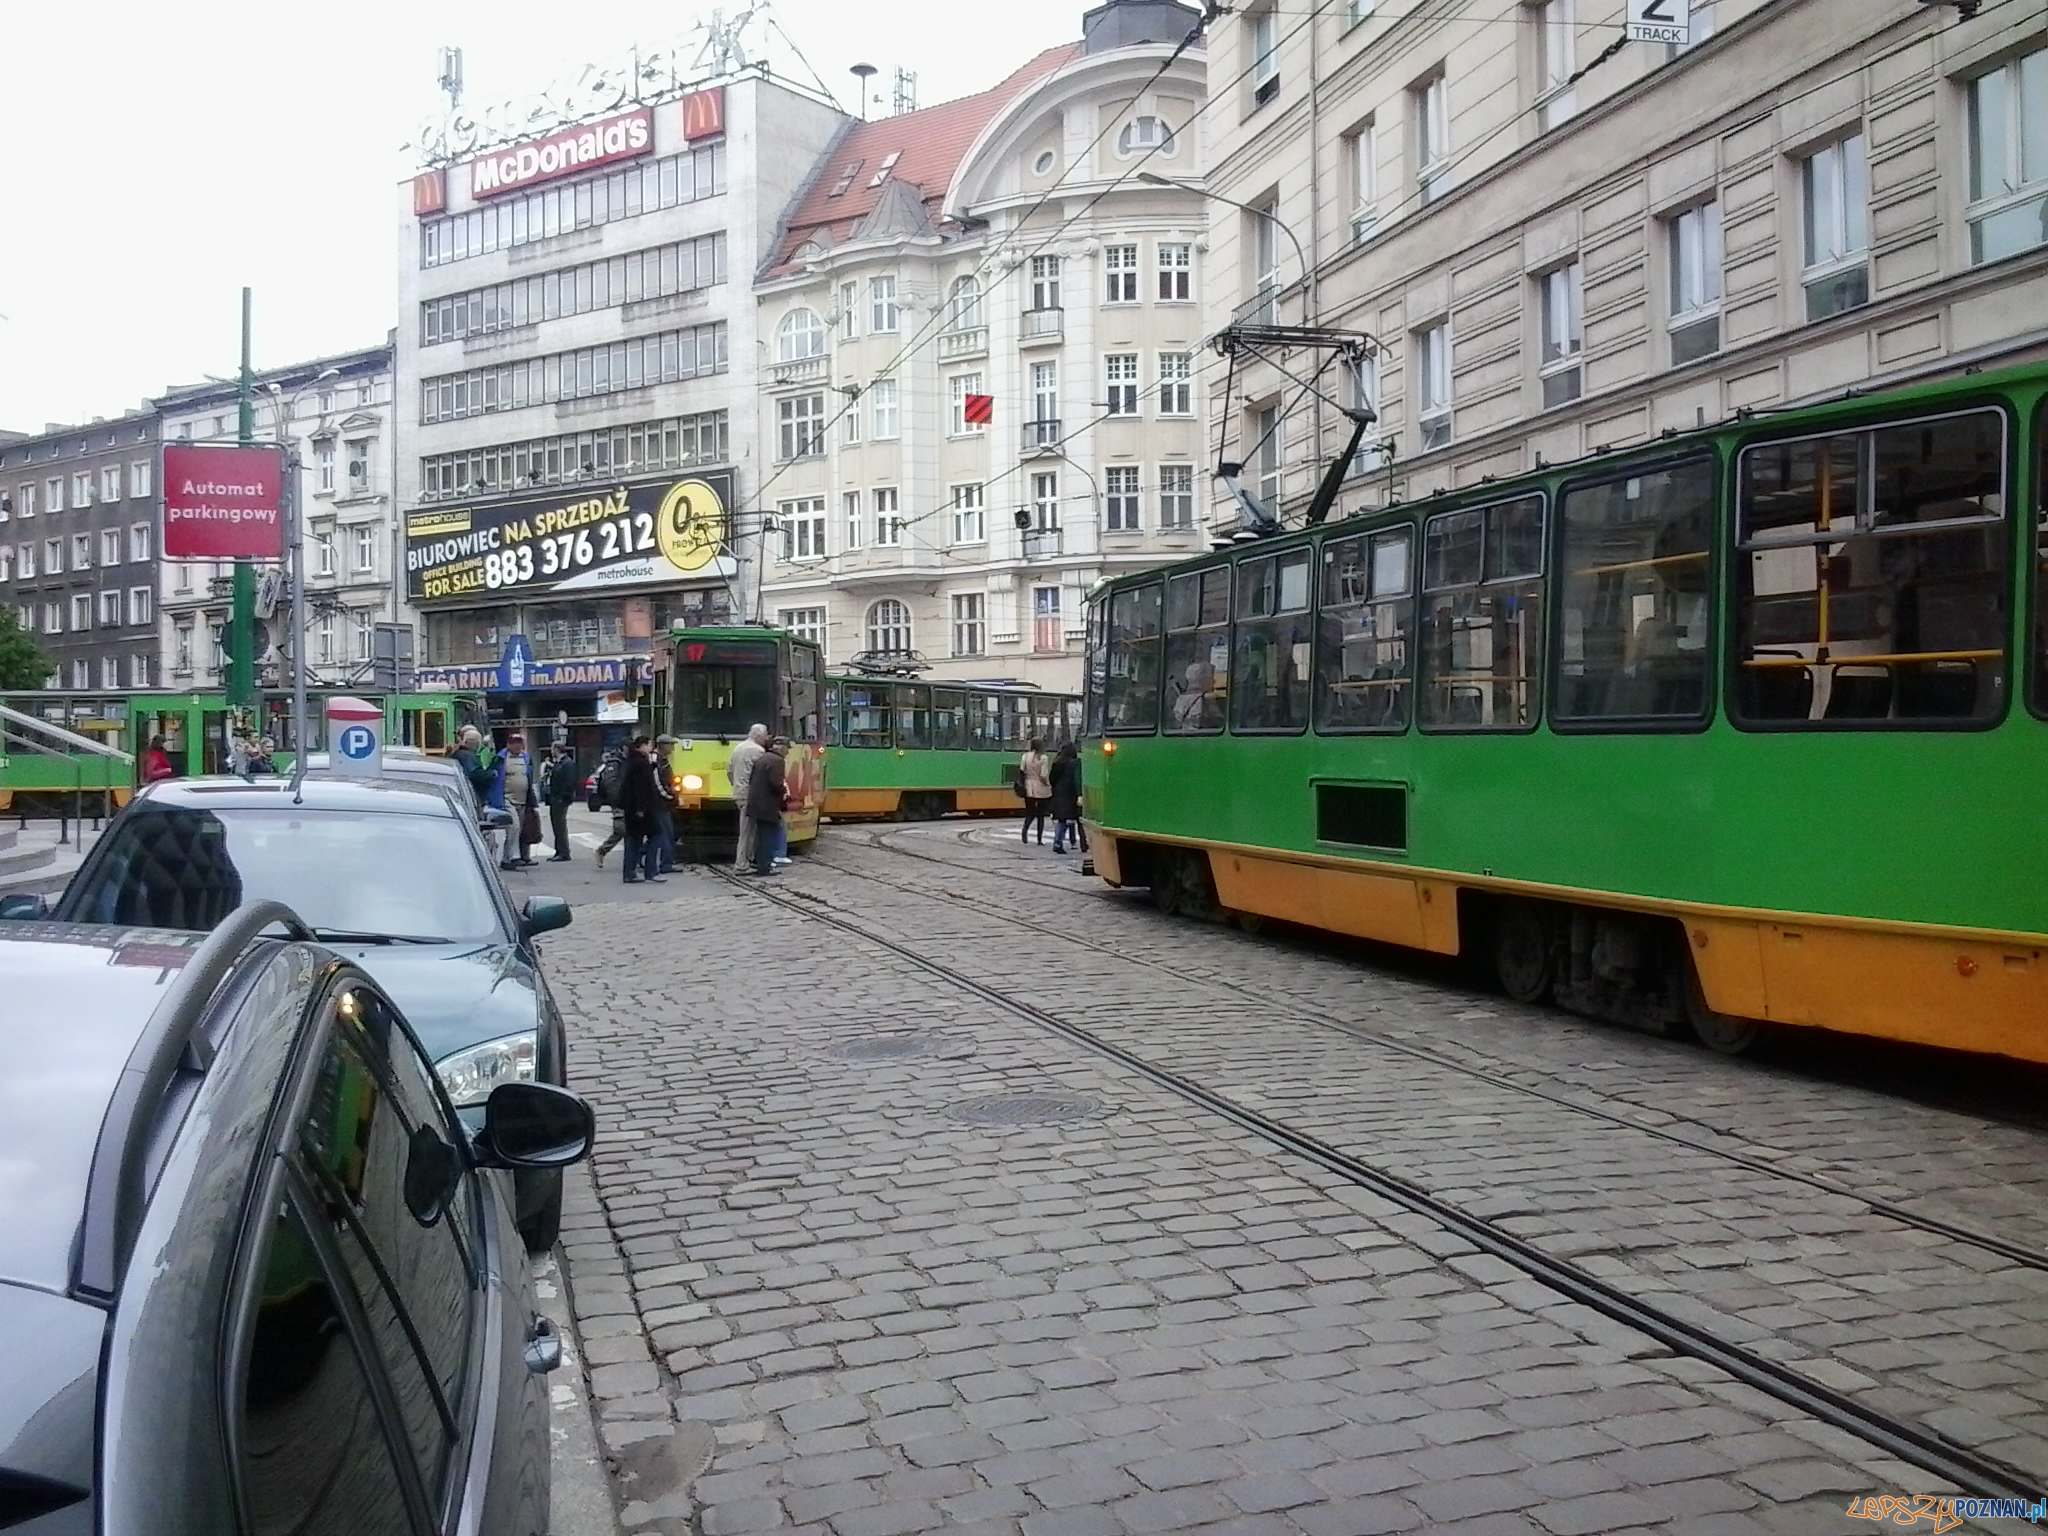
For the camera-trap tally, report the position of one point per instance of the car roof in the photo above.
(396, 760)
(78, 998)
(316, 792)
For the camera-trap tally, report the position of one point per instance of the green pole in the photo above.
(241, 678)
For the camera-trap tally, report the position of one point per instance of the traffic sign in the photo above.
(1659, 21)
(355, 732)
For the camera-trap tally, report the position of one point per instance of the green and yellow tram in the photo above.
(913, 751)
(711, 684)
(1746, 725)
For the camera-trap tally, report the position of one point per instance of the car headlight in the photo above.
(469, 1076)
(693, 782)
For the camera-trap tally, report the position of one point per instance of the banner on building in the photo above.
(517, 670)
(223, 503)
(587, 539)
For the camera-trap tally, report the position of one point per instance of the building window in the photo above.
(138, 541)
(800, 427)
(881, 306)
(138, 605)
(1120, 379)
(1120, 274)
(1176, 498)
(1045, 282)
(651, 273)
(1176, 384)
(800, 336)
(53, 556)
(1176, 272)
(81, 673)
(139, 477)
(357, 453)
(138, 670)
(27, 563)
(181, 653)
(1045, 507)
(1119, 499)
(1695, 246)
(366, 549)
(110, 482)
(6, 562)
(970, 524)
(362, 622)
(1048, 629)
(1264, 231)
(1429, 107)
(1564, 334)
(323, 541)
(81, 488)
(849, 425)
(849, 311)
(53, 494)
(1433, 385)
(2008, 210)
(970, 633)
(323, 638)
(81, 610)
(889, 628)
(1145, 136)
(81, 551)
(584, 374)
(959, 387)
(1557, 29)
(53, 618)
(804, 623)
(1835, 183)
(1362, 178)
(803, 528)
(849, 518)
(217, 635)
(25, 499)
(110, 546)
(674, 442)
(1365, 394)
(882, 410)
(1264, 27)
(1356, 11)
(110, 610)
(1264, 430)
(323, 467)
(963, 304)
(1043, 429)
(888, 523)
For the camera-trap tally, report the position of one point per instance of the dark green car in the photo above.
(385, 871)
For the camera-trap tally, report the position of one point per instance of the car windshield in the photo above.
(349, 874)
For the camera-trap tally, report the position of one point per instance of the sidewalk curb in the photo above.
(581, 1498)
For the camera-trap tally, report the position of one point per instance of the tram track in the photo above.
(1972, 1472)
(1961, 1232)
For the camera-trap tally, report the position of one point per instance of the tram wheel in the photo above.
(1727, 1034)
(1522, 951)
(1253, 923)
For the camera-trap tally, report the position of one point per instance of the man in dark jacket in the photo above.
(640, 801)
(560, 793)
(764, 804)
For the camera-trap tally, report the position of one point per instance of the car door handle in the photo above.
(543, 1345)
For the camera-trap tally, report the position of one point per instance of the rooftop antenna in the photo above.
(451, 77)
(863, 73)
(723, 51)
(906, 92)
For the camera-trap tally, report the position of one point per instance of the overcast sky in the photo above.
(159, 157)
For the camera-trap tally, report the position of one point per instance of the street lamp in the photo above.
(295, 541)
(1153, 178)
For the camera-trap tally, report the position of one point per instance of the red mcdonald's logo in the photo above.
(704, 114)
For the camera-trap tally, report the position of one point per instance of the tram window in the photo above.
(1482, 616)
(1015, 714)
(984, 729)
(802, 690)
(1872, 577)
(1198, 651)
(1635, 595)
(949, 719)
(1270, 659)
(913, 715)
(867, 716)
(1095, 706)
(1131, 688)
(835, 721)
(1368, 618)
(723, 701)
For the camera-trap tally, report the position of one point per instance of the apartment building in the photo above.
(336, 413)
(79, 535)
(1562, 241)
(983, 386)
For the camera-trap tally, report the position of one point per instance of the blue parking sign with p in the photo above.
(358, 743)
(355, 728)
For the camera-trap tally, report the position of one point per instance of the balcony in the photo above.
(955, 346)
(1043, 325)
(1042, 436)
(809, 370)
(1042, 543)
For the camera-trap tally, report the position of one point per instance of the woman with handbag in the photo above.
(1034, 777)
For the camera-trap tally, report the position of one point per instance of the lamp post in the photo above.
(1153, 178)
(295, 548)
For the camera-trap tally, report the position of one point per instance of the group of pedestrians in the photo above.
(507, 779)
(638, 785)
(759, 776)
(1052, 787)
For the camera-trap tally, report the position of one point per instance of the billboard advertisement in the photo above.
(223, 503)
(581, 148)
(582, 539)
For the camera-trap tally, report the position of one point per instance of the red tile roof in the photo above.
(928, 146)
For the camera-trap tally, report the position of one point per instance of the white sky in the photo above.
(159, 157)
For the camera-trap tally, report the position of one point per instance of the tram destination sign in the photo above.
(593, 538)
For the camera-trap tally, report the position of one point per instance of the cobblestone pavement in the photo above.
(814, 1297)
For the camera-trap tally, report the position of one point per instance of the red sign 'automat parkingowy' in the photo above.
(223, 503)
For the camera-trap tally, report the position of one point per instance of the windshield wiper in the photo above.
(348, 936)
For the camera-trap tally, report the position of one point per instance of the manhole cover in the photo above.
(901, 1048)
(1025, 1109)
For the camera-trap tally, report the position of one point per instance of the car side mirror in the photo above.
(534, 1125)
(23, 909)
(543, 914)
(493, 819)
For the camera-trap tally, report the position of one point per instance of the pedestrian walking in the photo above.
(610, 793)
(1066, 800)
(1033, 777)
(665, 817)
(520, 798)
(156, 762)
(640, 801)
(739, 770)
(558, 790)
(765, 787)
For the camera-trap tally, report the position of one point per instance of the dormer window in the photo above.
(888, 164)
(1145, 135)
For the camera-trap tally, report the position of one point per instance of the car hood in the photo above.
(454, 995)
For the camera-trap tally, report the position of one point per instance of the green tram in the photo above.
(39, 766)
(911, 751)
(711, 684)
(1750, 724)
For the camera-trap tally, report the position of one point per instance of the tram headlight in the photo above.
(1109, 749)
(469, 1076)
(693, 783)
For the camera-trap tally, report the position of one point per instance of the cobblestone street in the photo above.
(876, 1248)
